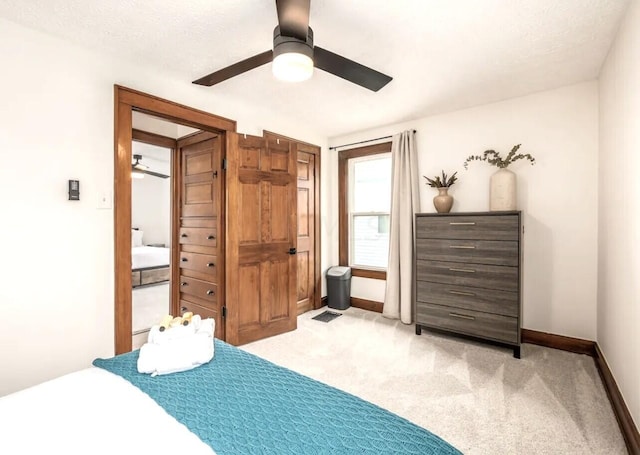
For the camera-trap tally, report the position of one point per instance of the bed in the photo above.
(236, 404)
(149, 264)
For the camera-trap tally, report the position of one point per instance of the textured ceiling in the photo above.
(443, 55)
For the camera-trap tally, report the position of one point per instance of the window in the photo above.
(365, 203)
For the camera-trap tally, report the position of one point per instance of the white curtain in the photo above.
(405, 202)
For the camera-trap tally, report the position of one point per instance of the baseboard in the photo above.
(364, 304)
(591, 348)
(549, 340)
(620, 409)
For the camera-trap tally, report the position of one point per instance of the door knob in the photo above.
(292, 251)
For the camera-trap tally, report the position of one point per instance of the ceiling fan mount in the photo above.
(294, 55)
(141, 169)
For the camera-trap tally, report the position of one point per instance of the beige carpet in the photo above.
(475, 396)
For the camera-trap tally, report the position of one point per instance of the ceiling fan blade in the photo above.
(293, 18)
(156, 174)
(236, 69)
(349, 70)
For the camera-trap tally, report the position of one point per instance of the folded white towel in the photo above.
(182, 351)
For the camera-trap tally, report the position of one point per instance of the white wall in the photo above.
(151, 203)
(56, 123)
(558, 196)
(619, 210)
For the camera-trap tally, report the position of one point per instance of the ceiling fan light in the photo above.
(138, 164)
(292, 67)
(292, 57)
(136, 174)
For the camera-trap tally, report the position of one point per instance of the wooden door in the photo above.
(306, 231)
(200, 185)
(261, 238)
(200, 257)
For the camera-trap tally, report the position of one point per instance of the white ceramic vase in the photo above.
(503, 193)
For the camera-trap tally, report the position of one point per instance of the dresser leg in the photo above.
(418, 329)
(516, 352)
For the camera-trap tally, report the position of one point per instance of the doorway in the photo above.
(151, 200)
(127, 102)
(241, 152)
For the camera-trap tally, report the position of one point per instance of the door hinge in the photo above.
(224, 311)
(224, 164)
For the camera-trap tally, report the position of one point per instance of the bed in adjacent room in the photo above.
(236, 403)
(149, 264)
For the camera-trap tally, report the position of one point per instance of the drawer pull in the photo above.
(462, 316)
(462, 223)
(210, 264)
(184, 236)
(183, 309)
(462, 247)
(184, 283)
(210, 292)
(184, 259)
(462, 270)
(211, 237)
(470, 294)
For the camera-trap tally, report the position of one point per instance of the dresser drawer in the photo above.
(204, 263)
(475, 275)
(198, 236)
(473, 251)
(484, 325)
(469, 298)
(198, 288)
(480, 227)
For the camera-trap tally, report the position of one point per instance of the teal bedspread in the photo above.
(241, 404)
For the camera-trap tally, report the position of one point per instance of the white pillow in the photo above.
(136, 237)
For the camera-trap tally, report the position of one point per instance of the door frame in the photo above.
(315, 150)
(126, 101)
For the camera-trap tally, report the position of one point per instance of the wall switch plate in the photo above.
(104, 200)
(74, 190)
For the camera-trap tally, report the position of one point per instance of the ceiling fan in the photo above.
(138, 169)
(294, 55)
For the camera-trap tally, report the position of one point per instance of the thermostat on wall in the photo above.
(74, 190)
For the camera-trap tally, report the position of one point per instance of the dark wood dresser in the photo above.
(468, 275)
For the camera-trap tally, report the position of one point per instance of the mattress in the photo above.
(240, 403)
(143, 257)
(91, 411)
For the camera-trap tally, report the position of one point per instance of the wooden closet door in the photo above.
(200, 259)
(261, 238)
(200, 185)
(306, 231)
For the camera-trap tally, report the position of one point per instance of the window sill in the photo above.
(368, 273)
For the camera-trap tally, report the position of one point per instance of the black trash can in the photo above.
(339, 287)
